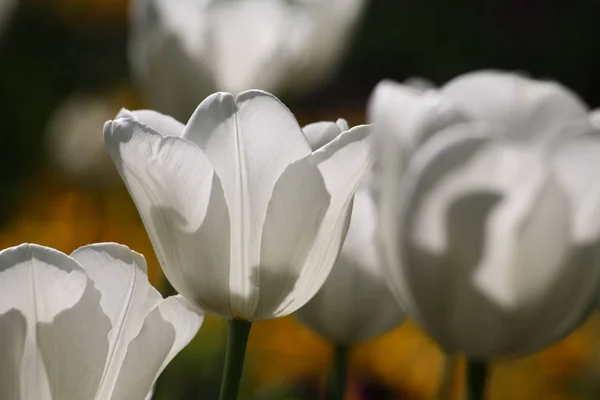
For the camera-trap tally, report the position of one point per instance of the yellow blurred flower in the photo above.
(55, 214)
(409, 363)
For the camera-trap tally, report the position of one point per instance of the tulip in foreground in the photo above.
(181, 51)
(246, 220)
(490, 209)
(355, 303)
(85, 326)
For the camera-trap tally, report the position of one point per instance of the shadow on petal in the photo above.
(74, 348)
(460, 316)
(13, 329)
(145, 357)
(200, 258)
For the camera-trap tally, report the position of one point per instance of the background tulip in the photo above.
(85, 326)
(245, 219)
(355, 303)
(182, 51)
(73, 142)
(492, 244)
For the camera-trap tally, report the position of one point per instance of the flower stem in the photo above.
(336, 386)
(237, 338)
(476, 377)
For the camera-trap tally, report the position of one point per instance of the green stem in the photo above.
(237, 338)
(447, 377)
(336, 387)
(476, 377)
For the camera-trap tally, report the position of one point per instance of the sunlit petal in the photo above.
(43, 284)
(161, 123)
(250, 140)
(182, 205)
(319, 134)
(343, 163)
(166, 330)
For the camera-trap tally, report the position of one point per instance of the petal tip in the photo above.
(255, 93)
(117, 251)
(124, 113)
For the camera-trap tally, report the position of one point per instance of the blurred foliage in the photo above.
(56, 48)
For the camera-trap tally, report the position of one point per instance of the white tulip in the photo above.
(355, 303)
(85, 326)
(183, 50)
(245, 219)
(490, 209)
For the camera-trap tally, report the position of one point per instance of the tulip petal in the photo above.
(166, 330)
(250, 140)
(403, 118)
(296, 211)
(120, 275)
(164, 38)
(161, 123)
(253, 42)
(30, 273)
(532, 109)
(483, 221)
(576, 164)
(39, 282)
(511, 242)
(319, 134)
(74, 347)
(151, 393)
(13, 330)
(430, 280)
(409, 115)
(182, 205)
(343, 162)
(127, 296)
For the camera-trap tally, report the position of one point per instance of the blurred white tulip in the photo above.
(355, 303)
(183, 50)
(74, 142)
(246, 220)
(85, 326)
(489, 209)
